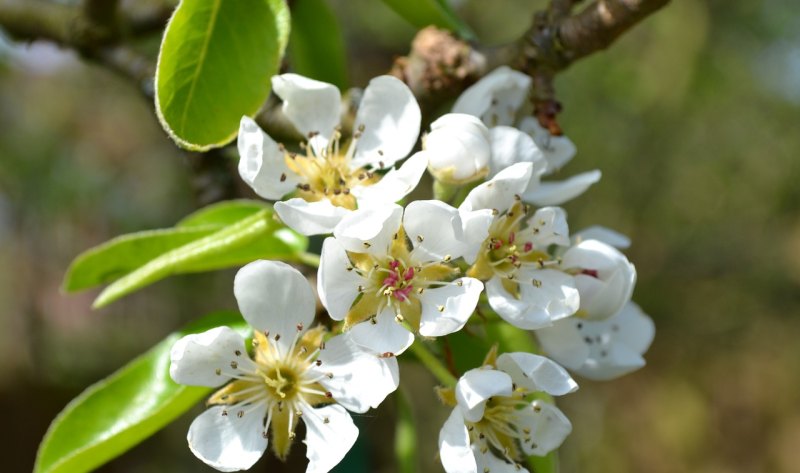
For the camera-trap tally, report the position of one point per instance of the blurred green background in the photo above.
(694, 119)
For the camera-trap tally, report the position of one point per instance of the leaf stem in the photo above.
(434, 365)
(309, 259)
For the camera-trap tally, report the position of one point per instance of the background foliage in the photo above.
(693, 119)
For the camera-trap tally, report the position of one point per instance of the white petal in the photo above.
(359, 380)
(394, 185)
(454, 448)
(337, 281)
(330, 434)
(386, 335)
(195, 359)
(603, 349)
(636, 329)
(549, 227)
(552, 297)
(457, 302)
(498, 193)
(275, 297)
(558, 150)
(458, 148)
(496, 97)
(369, 230)
(391, 118)
(536, 373)
(476, 225)
(262, 164)
(610, 287)
(434, 228)
(476, 386)
(564, 343)
(489, 462)
(312, 106)
(603, 234)
(228, 442)
(310, 218)
(510, 146)
(558, 192)
(548, 425)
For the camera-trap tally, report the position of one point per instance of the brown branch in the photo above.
(601, 23)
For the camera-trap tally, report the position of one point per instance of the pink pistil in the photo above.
(402, 294)
(409, 274)
(528, 247)
(511, 237)
(590, 272)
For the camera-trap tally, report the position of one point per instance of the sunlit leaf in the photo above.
(254, 237)
(118, 412)
(422, 13)
(316, 46)
(215, 65)
(223, 213)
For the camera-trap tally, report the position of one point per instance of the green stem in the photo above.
(434, 365)
(309, 259)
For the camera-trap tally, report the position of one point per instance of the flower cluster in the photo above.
(495, 243)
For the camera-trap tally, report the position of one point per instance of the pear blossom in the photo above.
(389, 272)
(600, 349)
(525, 284)
(461, 149)
(328, 180)
(497, 420)
(499, 99)
(292, 374)
(603, 276)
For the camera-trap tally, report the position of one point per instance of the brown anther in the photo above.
(328, 394)
(218, 371)
(277, 337)
(234, 365)
(299, 327)
(283, 177)
(238, 353)
(240, 414)
(318, 362)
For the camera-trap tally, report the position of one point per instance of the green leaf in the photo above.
(422, 13)
(214, 66)
(223, 213)
(118, 412)
(254, 237)
(316, 47)
(118, 257)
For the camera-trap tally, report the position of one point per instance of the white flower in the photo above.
(524, 282)
(328, 181)
(604, 277)
(293, 374)
(388, 273)
(499, 99)
(497, 422)
(604, 349)
(458, 149)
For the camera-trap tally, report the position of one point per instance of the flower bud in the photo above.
(604, 278)
(458, 148)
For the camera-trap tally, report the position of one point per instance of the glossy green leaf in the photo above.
(214, 66)
(118, 412)
(119, 256)
(254, 237)
(223, 213)
(422, 13)
(316, 46)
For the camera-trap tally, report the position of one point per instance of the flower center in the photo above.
(395, 280)
(499, 429)
(277, 380)
(509, 247)
(329, 174)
